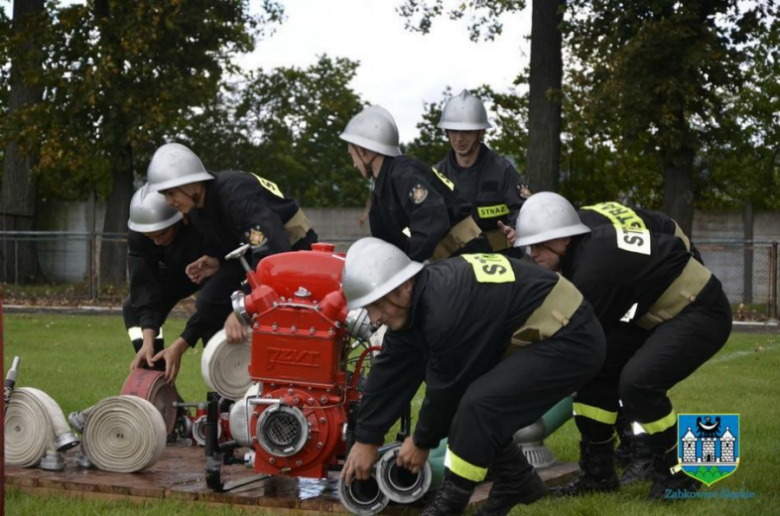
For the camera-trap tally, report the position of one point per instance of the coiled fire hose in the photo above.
(151, 386)
(225, 367)
(123, 434)
(36, 430)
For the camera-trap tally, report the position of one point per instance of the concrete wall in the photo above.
(718, 234)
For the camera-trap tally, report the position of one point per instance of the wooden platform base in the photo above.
(180, 475)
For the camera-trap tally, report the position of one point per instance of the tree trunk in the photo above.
(678, 187)
(544, 110)
(17, 195)
(113, 250)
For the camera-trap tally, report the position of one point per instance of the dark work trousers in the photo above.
(522, 388)
(623, 341)
(641, 373)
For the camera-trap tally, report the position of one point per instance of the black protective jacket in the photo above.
(492, 185)
(148, 263)
(238, 209)
(614, 271)
(459, 329)
(410, 195)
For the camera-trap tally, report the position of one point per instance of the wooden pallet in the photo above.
(180, 475)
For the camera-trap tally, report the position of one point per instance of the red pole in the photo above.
(2, 421)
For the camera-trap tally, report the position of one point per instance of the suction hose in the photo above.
(225, 367)
(36, 430)
(123, 434)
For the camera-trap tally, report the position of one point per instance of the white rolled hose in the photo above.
(123, 434)
(35, 427)
(225, 367)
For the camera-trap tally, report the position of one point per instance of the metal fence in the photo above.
(748, 270)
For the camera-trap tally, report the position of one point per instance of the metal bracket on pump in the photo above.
(239, 253)
(213, 456)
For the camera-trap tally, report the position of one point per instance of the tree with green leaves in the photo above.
(543, 145)
(22, 46)
(662, 72)
(284, 125)
(119, 77)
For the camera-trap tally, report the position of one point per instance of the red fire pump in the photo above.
(298, 417)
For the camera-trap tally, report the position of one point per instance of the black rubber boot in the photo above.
(640, 467)
(516, 482)
(449, 500)
(597, 470)
(666, 482)
(625, 432)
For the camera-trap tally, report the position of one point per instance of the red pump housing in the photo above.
(299, 352)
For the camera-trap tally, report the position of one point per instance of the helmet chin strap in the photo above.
(195, 198)
(368, 164)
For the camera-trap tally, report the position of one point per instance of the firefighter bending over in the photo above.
(631, 272)
(160, 246)
(498, 342)
(228, 209)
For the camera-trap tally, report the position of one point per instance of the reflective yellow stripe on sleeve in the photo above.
(462, 468)
(490, 212)
(595, 413)
(662, 424)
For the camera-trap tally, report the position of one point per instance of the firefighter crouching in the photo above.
(160, 246)
(498, 343)
(629, 272)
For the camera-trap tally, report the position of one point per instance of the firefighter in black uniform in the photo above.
(413, 206)
(160, 247)
(229, 209)
(650, 278)
(497, 341)
(488, 181)
(625, 338)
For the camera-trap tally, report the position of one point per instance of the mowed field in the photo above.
(79, 360)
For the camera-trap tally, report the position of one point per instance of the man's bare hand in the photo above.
(143, 357)
(235, 331)
(359, 462)
(509, 232)
(411, 457)
(202, 269)
(172, 356)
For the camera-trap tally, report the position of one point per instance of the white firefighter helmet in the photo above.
(373, 268)
(373, 129)
(464, 112)
(149, 213)
(174, 165)
(546, 216)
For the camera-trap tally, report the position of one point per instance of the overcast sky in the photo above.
(399, 70)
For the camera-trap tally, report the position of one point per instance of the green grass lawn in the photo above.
(79, 360)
